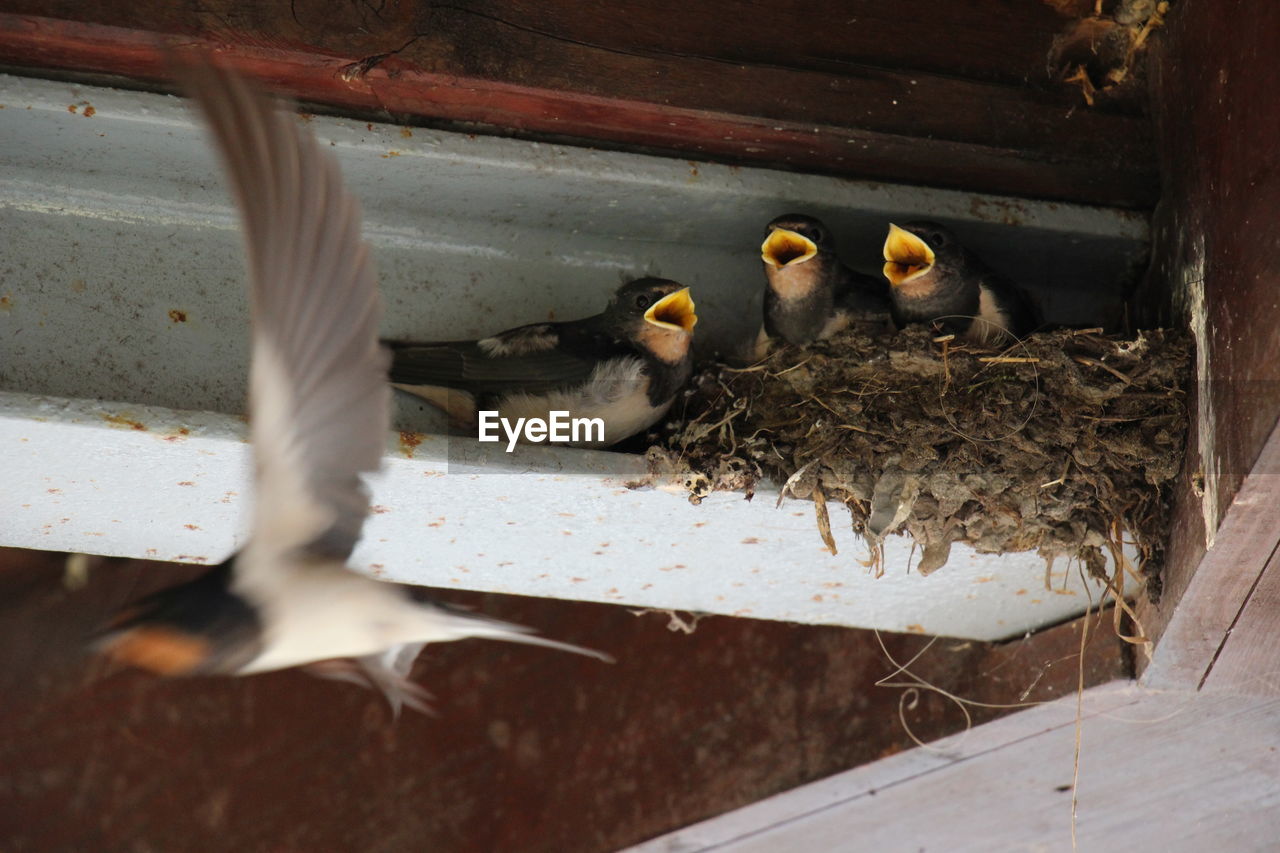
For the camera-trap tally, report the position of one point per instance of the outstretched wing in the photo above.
(317, 389)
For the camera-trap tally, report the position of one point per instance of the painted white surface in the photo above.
(148, 482)
(121, 280)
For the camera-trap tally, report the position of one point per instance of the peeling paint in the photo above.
(1197, 312)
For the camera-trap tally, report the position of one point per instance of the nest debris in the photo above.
(1061, 443)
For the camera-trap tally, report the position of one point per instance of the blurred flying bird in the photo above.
(318, 402)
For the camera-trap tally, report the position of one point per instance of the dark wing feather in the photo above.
(318, 396)
(468, 368)
(862, 295)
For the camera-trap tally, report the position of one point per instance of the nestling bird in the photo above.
(935, 278)
(811, 295)
(318, 420)
(623, 366)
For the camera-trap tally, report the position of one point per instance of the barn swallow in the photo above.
(811, 295)
(623, 366)
(318, 421)
(935, 278)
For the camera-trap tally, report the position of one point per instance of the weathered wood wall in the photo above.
(1216, 264)
(531, 750)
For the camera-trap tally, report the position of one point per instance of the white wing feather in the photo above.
(317, 388)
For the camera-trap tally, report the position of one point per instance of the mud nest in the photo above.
(1063, 443)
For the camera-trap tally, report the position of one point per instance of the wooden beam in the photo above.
(735, 100)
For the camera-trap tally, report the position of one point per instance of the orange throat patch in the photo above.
(795, 282)
(668, 345)
(164, 651)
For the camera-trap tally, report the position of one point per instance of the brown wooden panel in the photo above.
(530, 751)
(997, 40)
(1213, 77)
(574, 71)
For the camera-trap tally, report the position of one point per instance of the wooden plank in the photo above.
(1218, 591)
(1222, 180)
(1009, 788)
(1249, 661)
(913, 125)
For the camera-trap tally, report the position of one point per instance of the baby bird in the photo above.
(935, 278)
(623, 366)
(811, 295)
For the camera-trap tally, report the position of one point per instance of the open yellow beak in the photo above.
(782, 248)
(673, 311)
(906, 256)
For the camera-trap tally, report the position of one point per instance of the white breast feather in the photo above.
(617, 393)
(991, 325)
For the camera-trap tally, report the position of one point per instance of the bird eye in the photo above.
(643, 301)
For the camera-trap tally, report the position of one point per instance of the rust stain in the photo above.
(188, 558)
(122, 421)
(578, 580)
(1021, 592)
(306, 117)
(915, 629)
(6, 302)
(408, 442)
(71, 108)
(191, 526)
(54, 491)
(378, 509)
(391, 153)
(89, 111)
(817, 598)
(186, 483)
(178, 316)
(985, 579)
(368, 126)
(751, 540)
(406, 132)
